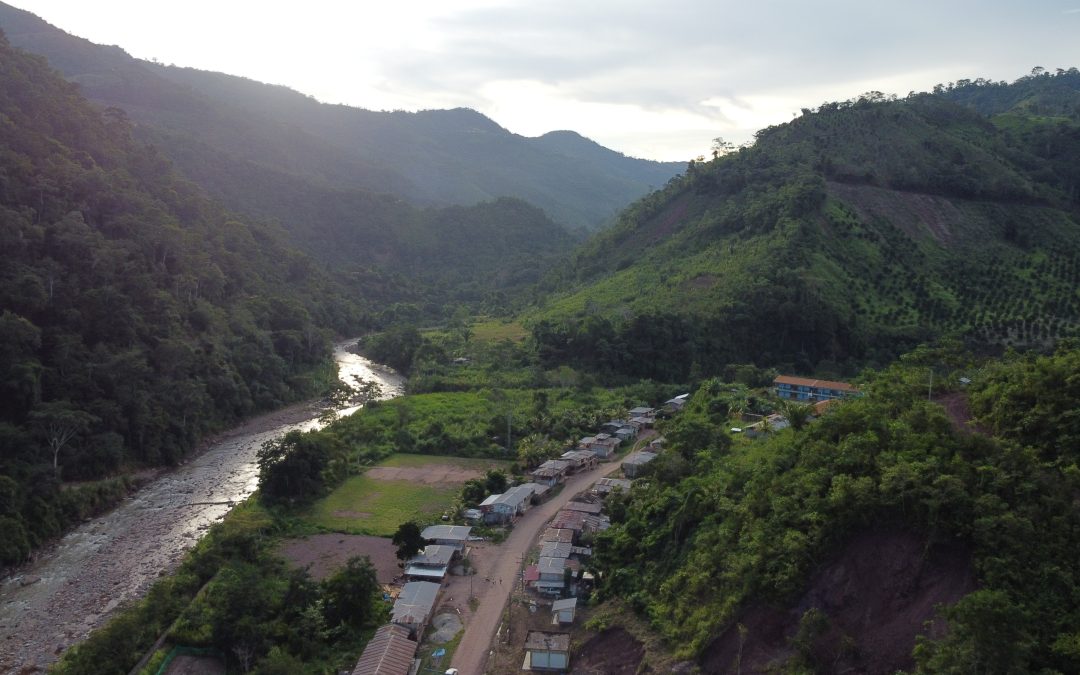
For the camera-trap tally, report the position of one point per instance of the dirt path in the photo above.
(503, 568)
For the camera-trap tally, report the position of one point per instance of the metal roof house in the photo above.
(810, 390)
(563, 611)
(389, 652)
(447, 535)
(431, 564)
(414, 605)
(546, 651)
(633, 465)
(607, 485)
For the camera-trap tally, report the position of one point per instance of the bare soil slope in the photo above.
(877, 594)
(612, 652)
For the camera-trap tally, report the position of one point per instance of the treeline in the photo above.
(137, 316)
(720, 527)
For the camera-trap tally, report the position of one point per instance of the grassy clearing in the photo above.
(363, 505)
(495, 331)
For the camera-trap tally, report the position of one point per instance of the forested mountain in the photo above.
(841, 239)
(214, 125)
(136, 315)
(825, 549)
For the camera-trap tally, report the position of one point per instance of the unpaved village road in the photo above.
(74, 587)
(505, 563)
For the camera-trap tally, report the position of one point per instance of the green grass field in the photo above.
(365, 505)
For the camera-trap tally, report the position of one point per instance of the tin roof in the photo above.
(451, 532)
(389, 652)
(806, 382)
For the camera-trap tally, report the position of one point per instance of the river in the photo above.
(73, 587)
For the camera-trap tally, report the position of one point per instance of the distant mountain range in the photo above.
(218, 128)
(841, 239)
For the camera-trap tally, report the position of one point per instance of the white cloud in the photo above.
(655, 78)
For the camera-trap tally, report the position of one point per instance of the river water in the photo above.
(73, 588)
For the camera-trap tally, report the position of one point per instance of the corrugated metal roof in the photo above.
(559, 642)
(415, 602)
(453, 532)
(806, 382)
(568, 603)
(390, 652)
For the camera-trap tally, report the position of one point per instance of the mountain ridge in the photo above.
(429, 157)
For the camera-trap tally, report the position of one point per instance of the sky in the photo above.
(658, 80)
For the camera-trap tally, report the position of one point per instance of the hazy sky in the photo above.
(650, 79)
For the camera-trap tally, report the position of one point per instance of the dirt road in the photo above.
(505, 563)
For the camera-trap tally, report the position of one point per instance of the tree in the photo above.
(797, 414)
(495, 482)
(350, 593)
(58, 422)
(408, 540)
(291, 467)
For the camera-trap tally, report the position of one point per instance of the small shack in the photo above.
(546, 651)
(563, 611)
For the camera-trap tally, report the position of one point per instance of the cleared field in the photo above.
(494, 331)
(404, 487)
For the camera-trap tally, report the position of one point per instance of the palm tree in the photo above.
(797, 414)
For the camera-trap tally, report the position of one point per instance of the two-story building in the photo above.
(811, 391)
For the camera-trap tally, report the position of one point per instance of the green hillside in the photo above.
(136, 315)
(842, 238)
(828, 548)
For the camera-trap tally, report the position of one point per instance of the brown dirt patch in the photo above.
(916, 214)
(666, 222)
(322, 554)
(359, 515)
(612, 652)
(877, 593)
(956, 407)
(436, 474)
(702, 282)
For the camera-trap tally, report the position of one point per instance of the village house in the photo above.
(546, 651)
(569, 520)
(676, 404)
(553, 574)
(633, 465)
(810, 390)
(584, 507)
(563, 611)
(551, 472)
(554, 549)
(558, 535)
(579, 460)
(414, 605)
(389, 652)
(606, 486)
(431, 564)
(601, 445)
(539, 492)
(506, 507)
(447, 535)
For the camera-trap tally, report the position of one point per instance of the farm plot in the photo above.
(404, 487)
